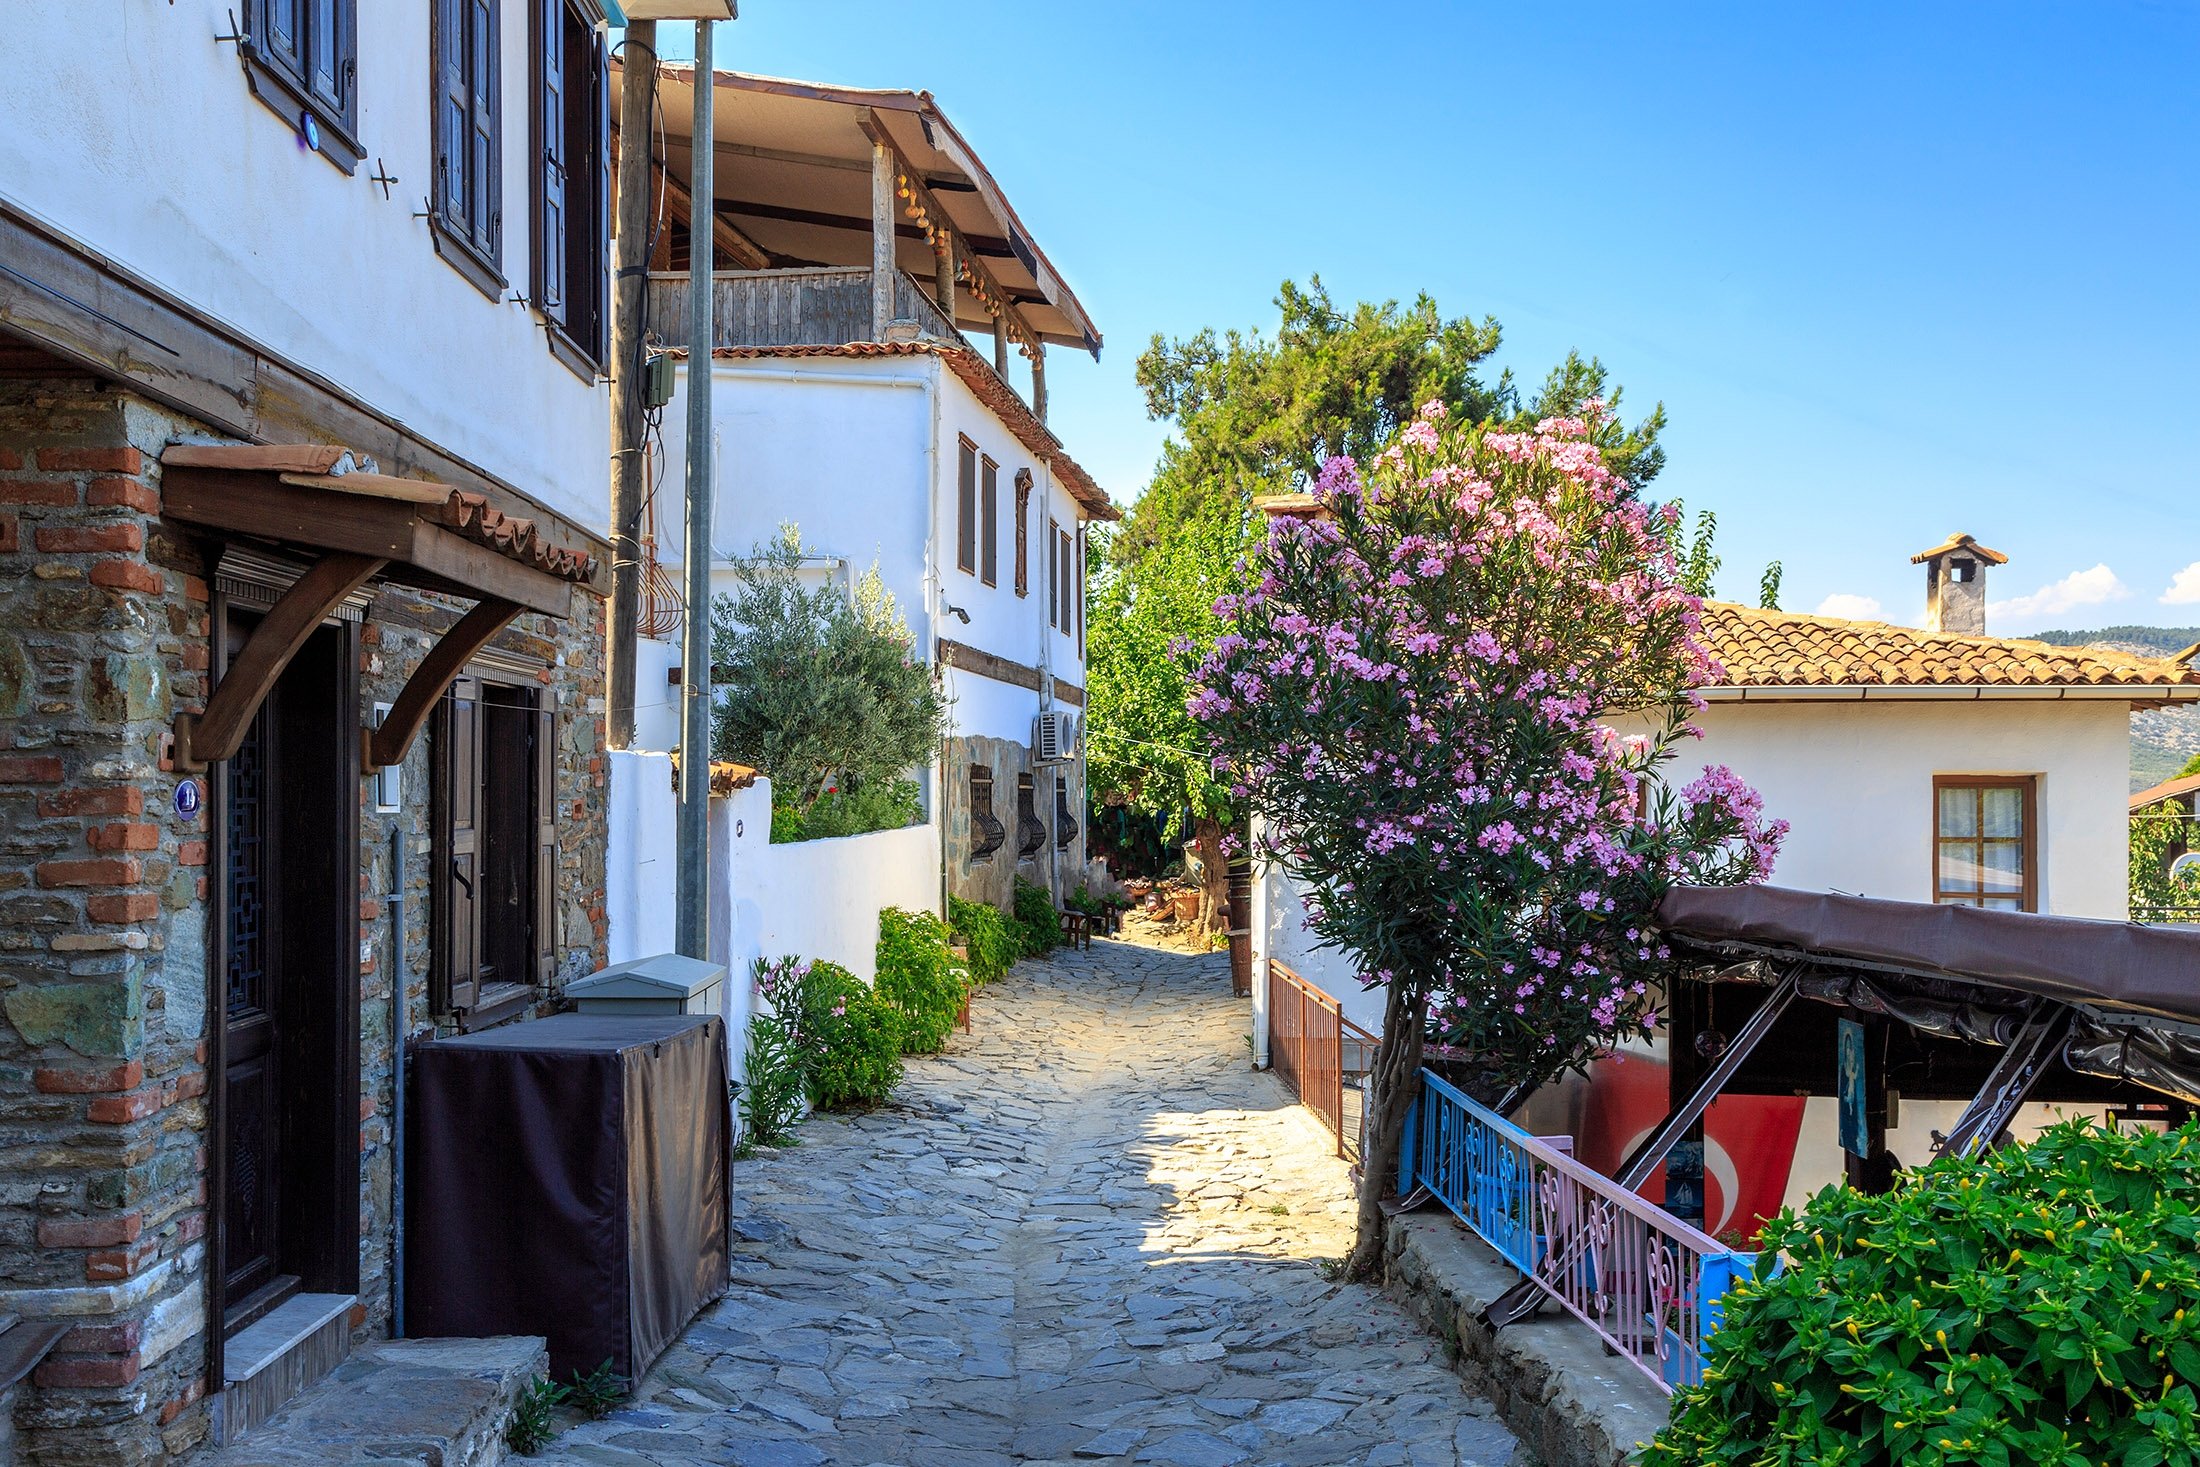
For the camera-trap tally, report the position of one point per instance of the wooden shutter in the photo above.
(450, 110)
(596, 250)
(989, 523)
(280, 35)
(1054, 578)
(454, 967)
(1069, 587)
(485, 181)
(966, 506)
(552, 185)
(1077, 589)
(545, 925)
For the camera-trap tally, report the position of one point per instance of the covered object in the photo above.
(567, 1178)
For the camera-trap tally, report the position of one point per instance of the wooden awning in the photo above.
(355, 524)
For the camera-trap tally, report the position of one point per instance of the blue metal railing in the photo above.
(1649, 1283)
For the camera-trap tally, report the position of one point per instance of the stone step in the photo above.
(399, 1403)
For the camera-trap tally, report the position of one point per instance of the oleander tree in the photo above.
(1450, 699)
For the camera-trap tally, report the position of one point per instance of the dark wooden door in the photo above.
(251, 1069)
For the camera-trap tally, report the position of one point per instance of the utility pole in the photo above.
(694, 822)
(629, 290)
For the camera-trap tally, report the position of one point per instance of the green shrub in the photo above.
(1038, 926)
(774, 1082)
(920, 977)
(980, 927)
(2041, 1305)
(877, 805)
(853, 1037)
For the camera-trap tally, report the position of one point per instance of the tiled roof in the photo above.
(2168, 789)
(1960, 542)
(1785, 649)
(984, 383)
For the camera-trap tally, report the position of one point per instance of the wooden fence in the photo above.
(1323, 1056)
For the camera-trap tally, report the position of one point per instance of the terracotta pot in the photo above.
(1186, 904)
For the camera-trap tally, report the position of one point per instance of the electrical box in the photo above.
(657, 381)
(660, 985)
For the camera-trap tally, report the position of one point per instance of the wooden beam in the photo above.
(390, 743)
(882, 239)
(218, 732)
(1039, 380)
(943, 277)
(1000, 669)
(726, 239)
(476, 570)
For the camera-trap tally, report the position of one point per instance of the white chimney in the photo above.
(1955, 585)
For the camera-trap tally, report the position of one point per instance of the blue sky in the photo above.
(1895, 271)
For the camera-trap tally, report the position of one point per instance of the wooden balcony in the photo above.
(822, 306)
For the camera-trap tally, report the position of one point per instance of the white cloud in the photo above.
(2184, 587)
(1851, 607)
(2056, 598)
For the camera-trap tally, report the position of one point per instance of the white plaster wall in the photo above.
(821, 898)
(1289, 943)
(136, 134)
(1854, 780)
(641, 866)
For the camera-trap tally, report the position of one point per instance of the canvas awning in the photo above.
(354, 525)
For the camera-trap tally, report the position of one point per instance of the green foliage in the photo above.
(814, 686)
(534, 1414)
(887, 804)
(2160, 834)
(1082, 900)
(1037, 925)
(2151, 641)
(1700, 561)
(775, 1081)
(920, 977)
(598, 1393)
(981, 928)
(1768, 586)
(1254, 415)
(2041, 1306)
(853, 1036)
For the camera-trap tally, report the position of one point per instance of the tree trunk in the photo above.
(1214, 879)
(1392, 1086)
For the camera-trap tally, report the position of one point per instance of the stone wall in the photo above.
(104, 915)
(993, 878)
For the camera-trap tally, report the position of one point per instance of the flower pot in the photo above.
(1186, 905)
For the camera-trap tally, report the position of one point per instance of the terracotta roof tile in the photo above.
(978, 375)
(1785, 649)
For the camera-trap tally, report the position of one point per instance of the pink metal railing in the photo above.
(1651, 1285)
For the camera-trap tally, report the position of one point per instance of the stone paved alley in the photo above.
(1089, 1232)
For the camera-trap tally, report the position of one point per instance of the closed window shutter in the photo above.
(966, 507)
(545, 925)
(1054, 576)
(596, 254)
(485, 185)
(450, 110)
(454, 967)
(281, 33)
(989, 523)
(551, 182)
(1077, 587)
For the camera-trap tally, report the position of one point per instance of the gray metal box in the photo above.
(664, 984)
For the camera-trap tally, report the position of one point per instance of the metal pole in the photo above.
(694, 827)
(637, 99)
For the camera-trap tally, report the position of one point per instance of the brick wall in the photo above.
(103, 615)
(104, 915)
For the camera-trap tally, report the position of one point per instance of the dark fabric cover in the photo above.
(2117, 965)
(567, 1178)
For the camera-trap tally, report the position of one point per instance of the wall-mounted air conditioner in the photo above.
(1054, 736)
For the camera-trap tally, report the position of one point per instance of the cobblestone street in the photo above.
(1089, 1232)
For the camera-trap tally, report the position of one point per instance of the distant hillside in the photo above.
(2161, 742)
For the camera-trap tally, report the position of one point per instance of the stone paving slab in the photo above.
(1089, 1233)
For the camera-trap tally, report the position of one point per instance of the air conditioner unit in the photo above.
(1054, 737)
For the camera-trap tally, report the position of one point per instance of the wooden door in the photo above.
(251, 1052)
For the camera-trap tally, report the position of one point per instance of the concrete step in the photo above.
(399, 1403)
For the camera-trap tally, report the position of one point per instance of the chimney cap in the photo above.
(1960, 542)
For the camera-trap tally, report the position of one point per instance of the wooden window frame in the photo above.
(2028, 843)
(285, 81)
(966, 506)
(1077, 590)
(473, 246)
(989, 521)
(1054, 575)
(570, 184)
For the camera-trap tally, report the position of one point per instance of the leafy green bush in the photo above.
(920, 977)
(874, 805)
(981, 928)
(2039, 1306)
(1038, 926)
(853, 1036)
(774, 1083)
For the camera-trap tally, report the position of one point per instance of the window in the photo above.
(989, 521)
(467, 219)
(570, 127)
(1065, 825)
(966, 507)
(1054, 578)
(1023, 532)
(1031, 832)
(302, 59)
(986, 831)
(1985, 847)
(1068, 581)
(493, 878)
(1078, 586)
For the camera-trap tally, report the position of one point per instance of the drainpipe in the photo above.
(932, 576)
(1046, 681)
(400, 1033)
